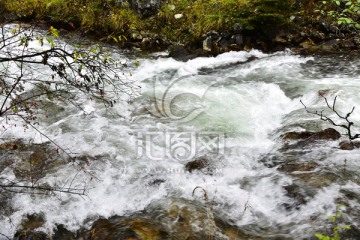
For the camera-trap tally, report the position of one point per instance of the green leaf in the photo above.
(50, 41)
(54, 32)
(337, 3)
(345, 227)
(137, 64)
(322, 237)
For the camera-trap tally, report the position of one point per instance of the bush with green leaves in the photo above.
(343, 12)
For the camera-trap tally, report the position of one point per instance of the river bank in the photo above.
(193, 29)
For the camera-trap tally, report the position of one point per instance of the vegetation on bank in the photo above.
(179, 20)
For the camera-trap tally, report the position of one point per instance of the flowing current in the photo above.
(230, 110)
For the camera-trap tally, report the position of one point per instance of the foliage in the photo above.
(191, 19)
(52, 72)
(343, 12)
(337, 228)
(98, 15)
(178, 20)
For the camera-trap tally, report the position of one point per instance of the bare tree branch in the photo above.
(346, 126)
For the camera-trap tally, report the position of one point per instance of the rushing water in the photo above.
(244, 106)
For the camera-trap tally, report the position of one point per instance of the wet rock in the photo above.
(327, 134)
(295, 192)
(31, 235)
(181, 53)
(346, 145)
(174, 218)
(298, 167)
(330, 46)
(349, 145)
(178, 52)
(197, 164)
(316, 179)
(124, 228)
(29, 162)
(36, 161)
(307, 44)
(296, 135)
(61, 233)
(156, 182)
(11, 145)
(33, 221)
(323, 92)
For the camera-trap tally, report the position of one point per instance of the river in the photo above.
(230, 110)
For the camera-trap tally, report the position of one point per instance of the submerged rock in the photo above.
(36, 161)
(298, 167)
(163, 219)
(296, 193)
(33, 221)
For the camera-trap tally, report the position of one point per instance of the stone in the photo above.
(348, 44)
(329, 28)
(323, 92)
(238, 39)
(349, 145)
(238, 28)
(330, 46)
(279, 39)
(31, 235)
(318, 179)
(33, 221)
(290, 167)
(307, 44)
(327, 134)
(197, 164)
(178, 52)
(295, 192)
(207, 43)
(145, 8)
(357, 41)
(346, 145)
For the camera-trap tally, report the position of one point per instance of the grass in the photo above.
(177, 20)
